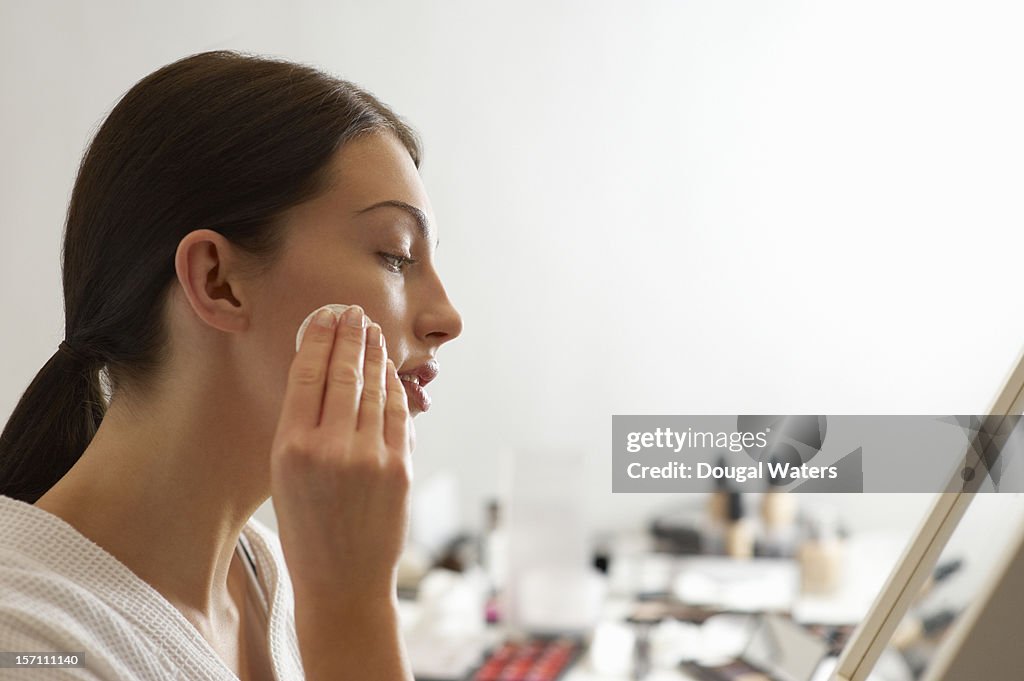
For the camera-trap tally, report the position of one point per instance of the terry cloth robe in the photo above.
(61, 592)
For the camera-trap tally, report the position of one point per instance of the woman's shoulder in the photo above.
(41, 565)
(31, 541)
(44, 607)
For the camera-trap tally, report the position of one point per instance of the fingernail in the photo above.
(374, 336)
(325, 318)
(354, 317)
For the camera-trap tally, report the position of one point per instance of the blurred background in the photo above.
(660, 206)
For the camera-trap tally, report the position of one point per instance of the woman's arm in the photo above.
(355, 640)
(340, 476)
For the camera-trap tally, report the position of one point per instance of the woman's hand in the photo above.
(340, 475)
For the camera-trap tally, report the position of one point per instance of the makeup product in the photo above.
(739, 536)
(718, 502)
(778, 510)
(653, 610)
(495, 559)
(778, 516)
(537, 659)
(821, 559)
(713, 542)
(335, 308)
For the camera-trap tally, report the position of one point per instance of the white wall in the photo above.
(645, 207)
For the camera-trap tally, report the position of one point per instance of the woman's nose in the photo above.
(444, 323)
(440, 322)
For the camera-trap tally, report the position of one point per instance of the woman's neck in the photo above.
(167, 492)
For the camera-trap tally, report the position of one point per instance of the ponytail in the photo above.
(52, 424)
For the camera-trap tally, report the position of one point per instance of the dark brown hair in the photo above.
(218, 140)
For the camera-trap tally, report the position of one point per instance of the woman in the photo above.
(224, 198)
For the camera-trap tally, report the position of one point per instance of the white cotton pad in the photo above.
(336, 309)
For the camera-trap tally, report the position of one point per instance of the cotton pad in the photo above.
(336, 309)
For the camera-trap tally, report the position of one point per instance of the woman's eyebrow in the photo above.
(416, 213)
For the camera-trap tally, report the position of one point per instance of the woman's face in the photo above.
(368, 240)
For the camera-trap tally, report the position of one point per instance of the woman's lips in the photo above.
(415, 380)
(418, 397)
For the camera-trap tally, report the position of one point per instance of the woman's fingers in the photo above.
(304, 393)
(396, 411)
(371, 404)
(340, 473)
(345, 373)
(342, 381)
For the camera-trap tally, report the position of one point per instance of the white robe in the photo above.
(61, 592)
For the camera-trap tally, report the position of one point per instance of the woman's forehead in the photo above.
(370, 170)
(377, 167)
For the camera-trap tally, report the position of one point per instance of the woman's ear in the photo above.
(209, 271)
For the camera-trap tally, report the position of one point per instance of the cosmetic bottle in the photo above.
(495, 559)
(717, 518)
(778, 522)
(821, 557)
(739, 535)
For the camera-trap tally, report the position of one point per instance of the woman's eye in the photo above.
(396, 263)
